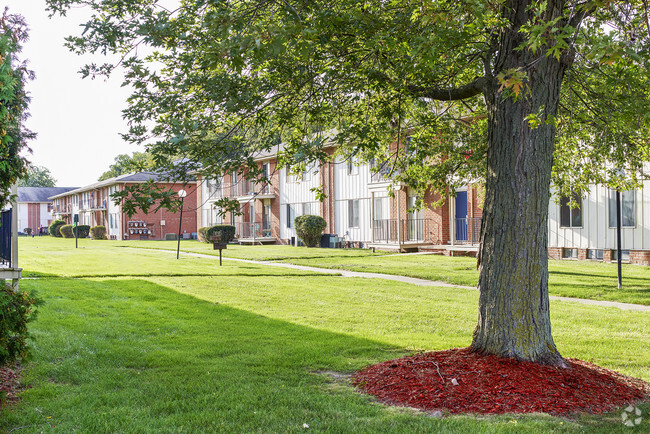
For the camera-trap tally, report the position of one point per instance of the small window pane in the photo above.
(571, 217)
(628, 214)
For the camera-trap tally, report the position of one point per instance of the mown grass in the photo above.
(577, 279)
(242, 348)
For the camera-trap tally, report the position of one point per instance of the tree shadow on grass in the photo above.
(131, 355)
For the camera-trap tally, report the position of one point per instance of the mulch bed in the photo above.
(462, 381)
(9, 385)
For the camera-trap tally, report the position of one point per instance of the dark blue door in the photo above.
(461, 216)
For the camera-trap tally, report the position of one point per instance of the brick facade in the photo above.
(163, 221)
(640, 257)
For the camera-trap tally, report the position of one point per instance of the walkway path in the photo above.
(414, 280)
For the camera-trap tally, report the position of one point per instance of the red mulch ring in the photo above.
(462, 381)
(9, 385)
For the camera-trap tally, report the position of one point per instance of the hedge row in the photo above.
(58, 228)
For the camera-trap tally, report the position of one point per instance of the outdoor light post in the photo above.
(619, 250)
(181, 194)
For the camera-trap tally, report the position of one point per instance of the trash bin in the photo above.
(325, 240)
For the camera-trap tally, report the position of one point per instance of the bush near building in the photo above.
(81, 231)
(227, 233)
(309, 229)
(66, 231)
(54, 228)
(98, 232)
(18, 308)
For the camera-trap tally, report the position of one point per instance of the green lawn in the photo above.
(192, 346)
(577, 279)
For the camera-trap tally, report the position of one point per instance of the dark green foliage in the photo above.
(66, 231)
(98, 232)
(18, 308)
(309, 229)
(125, 163)
(54, 228)
(200, 234)
(37, 176)
(13, 103)
(227, 233)
(81, 231)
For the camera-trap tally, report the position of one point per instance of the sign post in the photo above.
(76, 231)
(218, 245)
(181, 194)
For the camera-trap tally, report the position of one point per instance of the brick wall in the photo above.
(555, 252)
(437, 227)
(153, 219)
(640, 257)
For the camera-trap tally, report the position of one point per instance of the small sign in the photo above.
(220, 246)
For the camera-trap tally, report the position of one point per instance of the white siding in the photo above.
(297, 192)
(595, 232)
(352, 187)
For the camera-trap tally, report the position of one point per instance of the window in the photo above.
(214, 188)
(353, 213)
(570, 253)
(628, 219)
(353, 166)
(595, 254)
(291, 214)
(306, 208)
(233, 184)
(289, 177)
(266, 173)
(379, 208)
(625, 255)
(571, 217)
(266, 214)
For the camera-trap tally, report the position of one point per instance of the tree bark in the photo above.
(514, 319)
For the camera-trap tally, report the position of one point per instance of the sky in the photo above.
(78, 121)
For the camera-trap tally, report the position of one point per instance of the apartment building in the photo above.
(362, 208)
(589, 231)
(35, 207)
(93, 206)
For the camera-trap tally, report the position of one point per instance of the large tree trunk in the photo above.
(514, 318)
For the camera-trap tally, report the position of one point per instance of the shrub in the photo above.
(309, 229)
(28, 231)
(66, 231)
(227, 233)
(18, 308)
(54, 228)
(83, 230)
(200, 234)
(98, 232)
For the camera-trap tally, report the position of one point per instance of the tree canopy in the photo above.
(518, 93)
(125, 163)
(13, 103)
(37, 176)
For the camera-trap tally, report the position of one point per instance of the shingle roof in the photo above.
(129, 177)
(40, 194)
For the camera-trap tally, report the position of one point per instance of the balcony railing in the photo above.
(467, 230)
(62, 209)
(252, 230)
(250, 188)
(407, 230)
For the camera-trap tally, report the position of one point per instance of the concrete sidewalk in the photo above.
(414, 281)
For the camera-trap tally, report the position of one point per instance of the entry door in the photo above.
(461, 216)
(415, 221)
